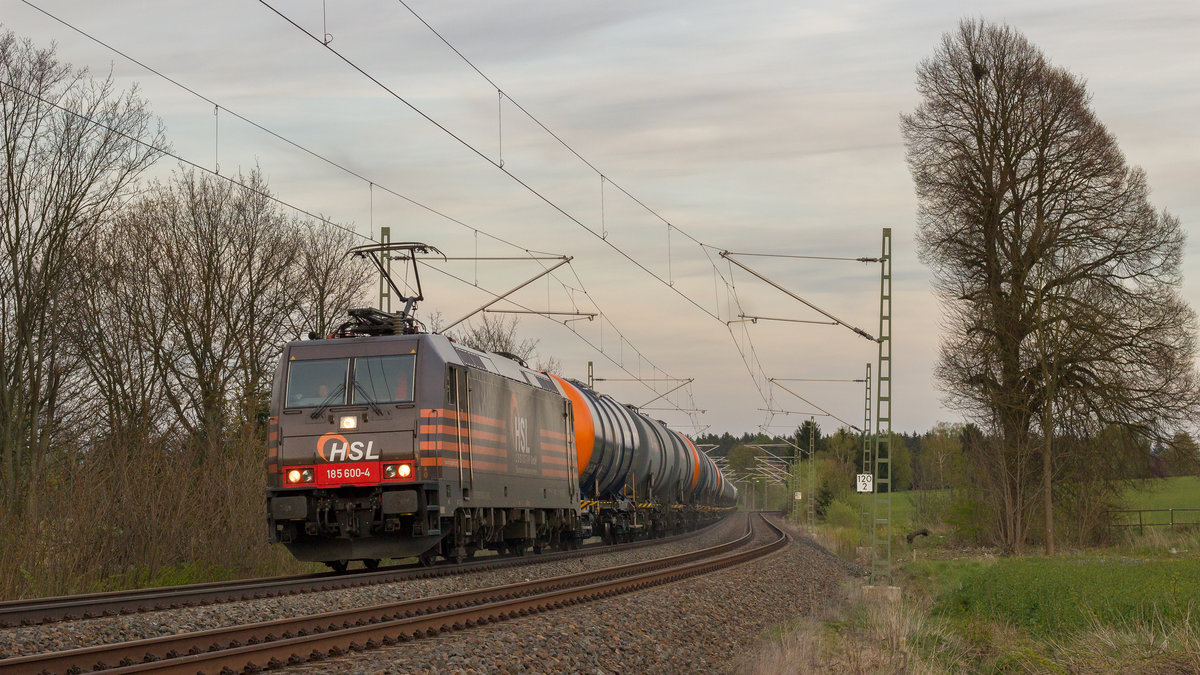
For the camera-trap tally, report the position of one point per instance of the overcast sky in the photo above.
(748, 126)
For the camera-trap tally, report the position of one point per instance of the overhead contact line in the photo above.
(499, 164)
(308, 151)
(532, 253)
(167, 153)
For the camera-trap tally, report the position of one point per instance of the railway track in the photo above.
(69, 607)
(295, 640)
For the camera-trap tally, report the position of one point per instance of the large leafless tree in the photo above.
(1059, 280)
(140, 324)
(73, 147)
(330, 281)
(228, 276)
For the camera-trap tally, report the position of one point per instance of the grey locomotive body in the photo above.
(405, 445)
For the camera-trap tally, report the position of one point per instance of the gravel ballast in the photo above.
(23, 640)
(701, 625)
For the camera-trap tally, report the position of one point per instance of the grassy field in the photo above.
(1163, 493)
(1132, 607)
(1049, 596)
(1166, 493)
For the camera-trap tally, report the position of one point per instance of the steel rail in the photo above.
(92, 605)
(277, 643)
(267, 643)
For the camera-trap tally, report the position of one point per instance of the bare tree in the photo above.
(330, 281)
(941, 457)
(1059, 280)
(499, 336)
(116, 331)
(222, 275)
(71, 154)
(496, 335)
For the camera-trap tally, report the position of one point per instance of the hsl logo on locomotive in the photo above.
(518, 433)
(345, 451)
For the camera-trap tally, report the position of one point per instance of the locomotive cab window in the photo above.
(383, 379)
(316, 382)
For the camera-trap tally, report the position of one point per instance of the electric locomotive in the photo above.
(388, 442)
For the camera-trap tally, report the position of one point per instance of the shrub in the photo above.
(841, 514)
(969, 519)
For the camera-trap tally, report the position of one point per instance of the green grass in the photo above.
(902, 507)
(197, 572)
(1160, 493)
(176, 575)
(1131, 607)
(1182, 492)
(1165, 493)
(1054, 596)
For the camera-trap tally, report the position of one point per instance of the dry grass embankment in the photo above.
(130, 520)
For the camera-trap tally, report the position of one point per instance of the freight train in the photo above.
(388, 442)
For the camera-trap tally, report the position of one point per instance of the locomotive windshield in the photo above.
(383, 379)
(316, 382)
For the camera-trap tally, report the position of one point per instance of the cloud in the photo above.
(754, 125)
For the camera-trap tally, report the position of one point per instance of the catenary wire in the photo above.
(260, 193)
(539, 123)
(605, 179)
(312, 153)
(583, 338)
(532, 190)
(372, 183)
(166, 152)
(521, 182)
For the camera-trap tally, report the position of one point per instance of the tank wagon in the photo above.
(387, 442)
(637, 475)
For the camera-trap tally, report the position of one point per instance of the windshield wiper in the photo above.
(328, 400)
(370, 401)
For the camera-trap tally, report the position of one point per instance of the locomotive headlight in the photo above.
(404, 470)
(294, 476)
(307, 475)
(348, 423)
(390, 471)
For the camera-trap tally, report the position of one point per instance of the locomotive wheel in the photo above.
(338, 566)
(371, 563)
